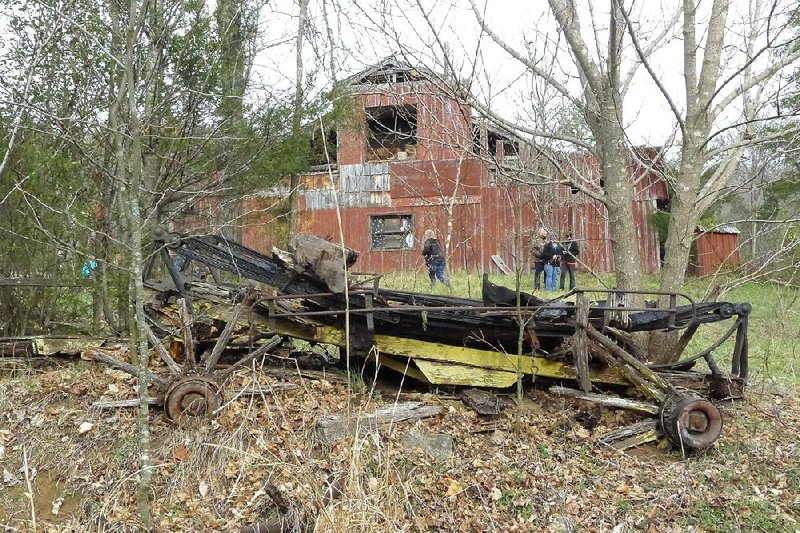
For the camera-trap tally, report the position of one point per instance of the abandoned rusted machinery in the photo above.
(310, 294)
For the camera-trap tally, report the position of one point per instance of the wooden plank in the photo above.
(454, 374)
(420, 350)
(580, 343)
(633, 435)
(502, 265)
(399, 365)
(332, 428)
(116, 404)
(609, 401)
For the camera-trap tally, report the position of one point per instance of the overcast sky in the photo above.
(366, 31)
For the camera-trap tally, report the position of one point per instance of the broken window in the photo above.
(391, 130)
(511, 148)
(391, 232)
(476, 139)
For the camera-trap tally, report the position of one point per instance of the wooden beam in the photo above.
(609, 401)
(332, 428)
(162, 352)
(635, 371)
(580, 342)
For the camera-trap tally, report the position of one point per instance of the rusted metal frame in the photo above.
(671, 311)
(706, 354)
(307, 296)
(740, 362)
(410, 309)
(177, 279)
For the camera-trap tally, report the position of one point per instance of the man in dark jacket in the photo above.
(539, 258)
(569, 263)
(434, 258)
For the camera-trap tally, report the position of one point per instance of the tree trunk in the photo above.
(606, 126)
(680, 234)
(294, 180)
(129, 169)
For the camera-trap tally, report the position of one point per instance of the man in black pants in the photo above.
(537, 247)
(569, 263)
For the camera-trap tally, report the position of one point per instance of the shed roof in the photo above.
(726, 229)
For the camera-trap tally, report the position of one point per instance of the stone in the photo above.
(438, 445)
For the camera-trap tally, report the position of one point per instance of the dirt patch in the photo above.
(52, 501)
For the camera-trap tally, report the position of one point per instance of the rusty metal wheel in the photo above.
(691, 422)
(192, 400)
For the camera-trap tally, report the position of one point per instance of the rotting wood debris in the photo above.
(308, 294)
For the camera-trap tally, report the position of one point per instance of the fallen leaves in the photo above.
(453, 487)
(181, 453)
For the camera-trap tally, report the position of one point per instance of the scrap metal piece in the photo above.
(691, 422)
(192, 400)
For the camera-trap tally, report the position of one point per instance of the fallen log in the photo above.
(116, 404)
(632, 436)
(609, 401)
(332, 428)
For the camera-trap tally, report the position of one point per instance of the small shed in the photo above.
(713, 248)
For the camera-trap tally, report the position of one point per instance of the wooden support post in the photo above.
(635, 371)
(186, 330)
(162, 352)
(580, 343)
(673, 302)
(370, 317)
(263, 350)
(224, 337)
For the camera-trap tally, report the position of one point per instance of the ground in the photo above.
(533, 468)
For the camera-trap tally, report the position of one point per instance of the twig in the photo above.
(30, 488)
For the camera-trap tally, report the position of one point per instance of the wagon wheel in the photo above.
(691, 422)
(193, 392)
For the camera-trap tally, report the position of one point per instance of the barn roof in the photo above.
(390, 70)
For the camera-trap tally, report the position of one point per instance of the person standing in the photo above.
(569, 262)
(539, 258)
(552, 268)
(434, 258)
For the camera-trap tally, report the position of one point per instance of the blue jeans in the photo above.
(551, 275)
(437, 271)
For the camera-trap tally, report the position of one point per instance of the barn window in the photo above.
(391, 126)
(391, 232)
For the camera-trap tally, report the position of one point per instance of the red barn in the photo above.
(413, 157)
